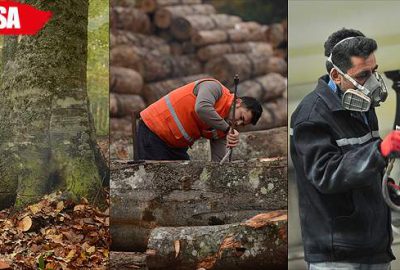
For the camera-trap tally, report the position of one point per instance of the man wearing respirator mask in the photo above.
(339, 160)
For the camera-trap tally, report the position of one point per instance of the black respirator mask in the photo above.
(363, 97)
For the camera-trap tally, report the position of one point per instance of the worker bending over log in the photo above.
(203, 108)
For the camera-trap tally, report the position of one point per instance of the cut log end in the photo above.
(264, 219)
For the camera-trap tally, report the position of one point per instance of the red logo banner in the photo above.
(21, 19)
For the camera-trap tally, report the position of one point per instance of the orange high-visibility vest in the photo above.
(174, 119)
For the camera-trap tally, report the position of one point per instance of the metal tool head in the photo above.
(236, 79)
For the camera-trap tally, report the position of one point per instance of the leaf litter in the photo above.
(55, 234)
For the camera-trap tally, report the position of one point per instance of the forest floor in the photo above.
(56, 233)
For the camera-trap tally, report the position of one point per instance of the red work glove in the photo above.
(391, 143)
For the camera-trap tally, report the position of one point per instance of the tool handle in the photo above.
(135, 150)
(236, 82)
(228, 153)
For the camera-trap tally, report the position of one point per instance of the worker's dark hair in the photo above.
(341, 54)
(254, 106)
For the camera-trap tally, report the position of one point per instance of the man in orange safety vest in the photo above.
(198, 109)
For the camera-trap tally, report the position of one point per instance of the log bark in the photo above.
(264, 88)
(127, 56)
(253, 145)
(194, 193)
(258, 243)
(252, 35)
(179, 48)
(150, 6)
(275, 34)
(183, 27)
(174, 66)
(163, 16)
(154, 91)
(121, 127)
(154, 66)
(278, 65)
(216, 50)
(125, 81)
(274, 115)
(150, 43)
(123, 105)
(123, 3)
(202, 38)
(249, 26)
(130, 19)
(127, 261)
(285, 29)
(247, 65)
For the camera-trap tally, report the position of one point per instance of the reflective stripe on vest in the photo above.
(177, 121)
(359, 140)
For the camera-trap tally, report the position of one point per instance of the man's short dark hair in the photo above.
(254, 106)
(341, 54)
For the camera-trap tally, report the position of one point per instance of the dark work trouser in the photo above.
(151, 147)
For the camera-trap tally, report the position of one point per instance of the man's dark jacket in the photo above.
(338, 173)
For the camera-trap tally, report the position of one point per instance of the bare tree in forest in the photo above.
(47, 138)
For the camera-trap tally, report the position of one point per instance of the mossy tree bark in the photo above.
(195, 193)
(46, 129)
(258, 243)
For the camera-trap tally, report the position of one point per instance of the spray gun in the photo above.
(391, 190)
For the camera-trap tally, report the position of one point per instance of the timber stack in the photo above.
(196, 215)
(191, 215)
(160, 45)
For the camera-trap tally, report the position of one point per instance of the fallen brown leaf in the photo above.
(4, 265)
(60, 205)
(79, 207)
(35, 208)
(91, 249)
(51, 265)
(177, 246)
(84, 201)
(25, 224)
(64, 235)
(70, 255)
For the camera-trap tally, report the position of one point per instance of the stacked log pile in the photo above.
(159, 45)
(257, 243)
(196, 215)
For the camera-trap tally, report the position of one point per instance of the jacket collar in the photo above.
(330, 97)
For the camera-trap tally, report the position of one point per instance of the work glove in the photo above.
(391, 144)
(232, 139)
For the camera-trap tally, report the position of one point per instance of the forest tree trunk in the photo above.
(48, 138)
